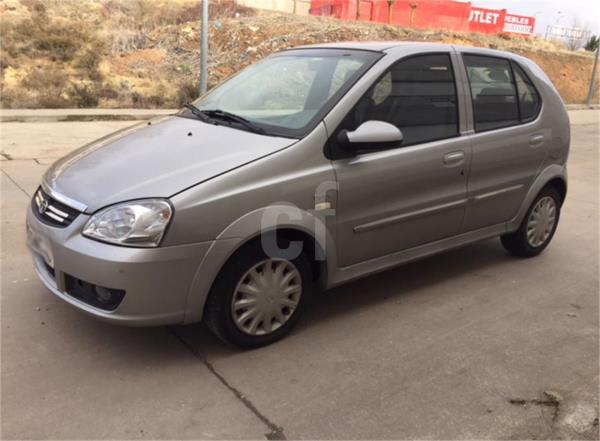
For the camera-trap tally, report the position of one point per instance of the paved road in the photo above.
(71, 115)
(436, 349)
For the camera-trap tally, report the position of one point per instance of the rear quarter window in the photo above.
(529, 98)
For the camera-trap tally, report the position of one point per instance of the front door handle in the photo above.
(454, 159)
(536, 140)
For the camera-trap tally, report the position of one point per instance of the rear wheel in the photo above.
(257, 299)
(538, 226)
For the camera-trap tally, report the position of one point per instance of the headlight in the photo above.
(139, 223)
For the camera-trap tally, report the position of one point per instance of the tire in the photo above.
(219, 311)
(518, 243)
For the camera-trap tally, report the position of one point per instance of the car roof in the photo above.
(384, 46)
(360, 45)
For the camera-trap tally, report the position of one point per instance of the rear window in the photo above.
(493, 91)
(502, 93)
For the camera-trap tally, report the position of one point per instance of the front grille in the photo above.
(50, 211)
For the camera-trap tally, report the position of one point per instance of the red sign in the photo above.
(427, 14)
(518, 24)
(488, 21)
(484, 16)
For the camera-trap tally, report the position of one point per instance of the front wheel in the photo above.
(257, 299)
(538, 227)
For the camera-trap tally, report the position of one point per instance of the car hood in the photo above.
(156, 160)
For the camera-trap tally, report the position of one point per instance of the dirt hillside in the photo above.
(141, 53)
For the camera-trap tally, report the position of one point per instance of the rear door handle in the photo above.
(454, 159)
(536, 140)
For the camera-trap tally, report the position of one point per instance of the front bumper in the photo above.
(156, 281)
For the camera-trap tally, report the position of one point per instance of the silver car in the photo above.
(311, 168)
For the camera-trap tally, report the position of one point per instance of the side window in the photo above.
(493, 92)
(529, 99)
(417, 95)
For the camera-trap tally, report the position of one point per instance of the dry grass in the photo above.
(142, 53)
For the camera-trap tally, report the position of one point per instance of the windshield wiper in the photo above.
(196, 112)
(212, 114)
(228, 116)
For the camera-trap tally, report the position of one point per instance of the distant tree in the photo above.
(592, 44)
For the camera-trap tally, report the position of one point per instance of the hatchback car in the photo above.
(311, 168)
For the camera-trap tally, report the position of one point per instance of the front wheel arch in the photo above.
(311, 248)
(217, 314)
(560, 186)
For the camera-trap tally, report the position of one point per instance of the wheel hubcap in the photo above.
(266, 296)
(541, 221)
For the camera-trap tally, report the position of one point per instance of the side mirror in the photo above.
(371, 135)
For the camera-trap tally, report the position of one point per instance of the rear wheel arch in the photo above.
(541, 228)
(553, 176)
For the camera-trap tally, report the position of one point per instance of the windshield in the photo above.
(288, 93)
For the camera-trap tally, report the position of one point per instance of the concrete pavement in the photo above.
(468, 344)
(66, 377)
(72, 115)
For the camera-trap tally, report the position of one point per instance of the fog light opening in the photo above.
(107, 297)
(94, 295)
(103, 294)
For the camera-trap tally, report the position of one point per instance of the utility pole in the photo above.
(204, 49)
(593, 82)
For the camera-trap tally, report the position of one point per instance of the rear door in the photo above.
(508, 139)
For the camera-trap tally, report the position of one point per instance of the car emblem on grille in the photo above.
(42, 206)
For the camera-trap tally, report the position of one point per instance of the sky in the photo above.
(547, 12)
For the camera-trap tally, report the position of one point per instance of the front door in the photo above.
(398, 198)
